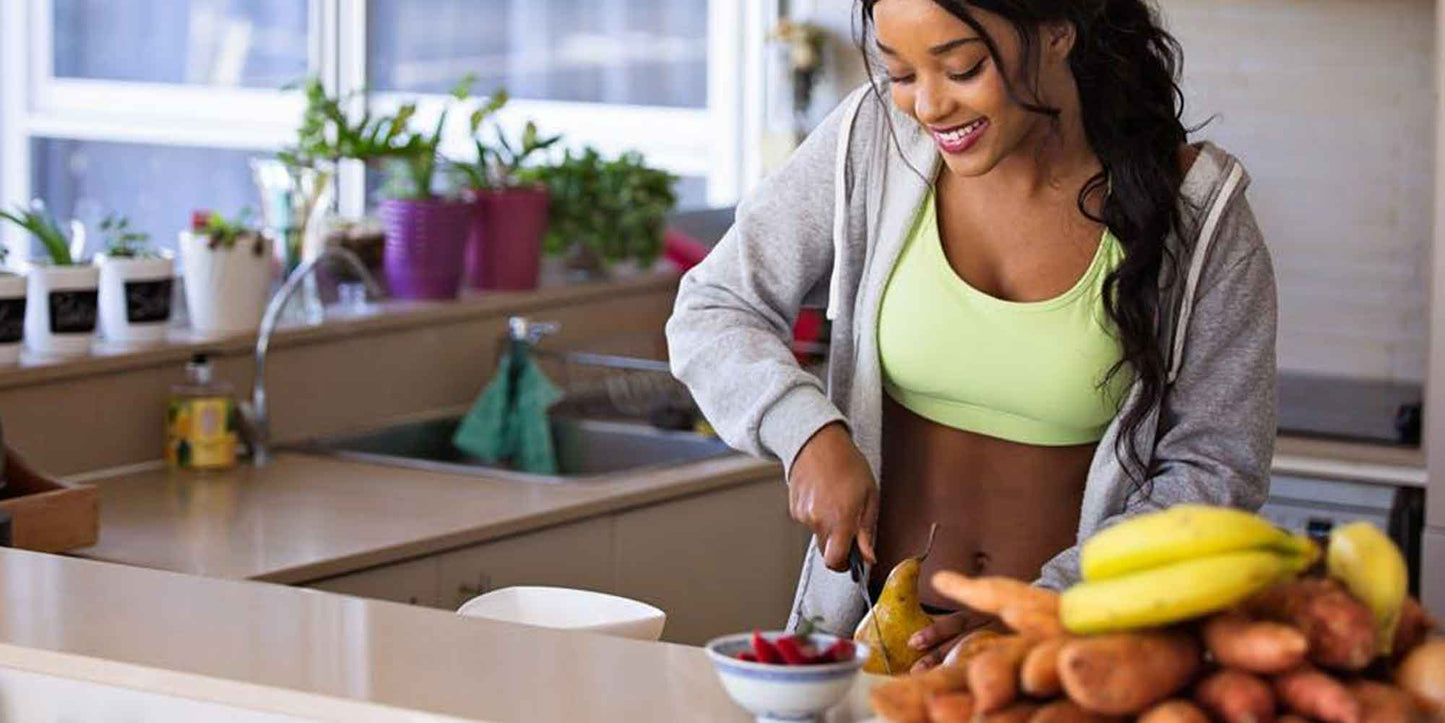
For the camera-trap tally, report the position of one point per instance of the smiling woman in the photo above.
(1049, 311)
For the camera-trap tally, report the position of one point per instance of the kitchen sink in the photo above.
(586, 448)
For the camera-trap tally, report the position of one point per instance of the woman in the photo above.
(1049, 312)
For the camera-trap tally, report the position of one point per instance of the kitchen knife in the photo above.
(855, 570)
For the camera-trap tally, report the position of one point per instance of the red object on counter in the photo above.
(683, 250)
(795, 650)
(200, 218)
(764, 650)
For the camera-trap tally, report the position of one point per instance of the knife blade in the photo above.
(855, 570)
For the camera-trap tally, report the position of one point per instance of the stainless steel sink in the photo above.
(586, 449)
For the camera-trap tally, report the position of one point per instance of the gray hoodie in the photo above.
(826, 230)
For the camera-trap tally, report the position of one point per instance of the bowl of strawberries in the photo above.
(783, 676)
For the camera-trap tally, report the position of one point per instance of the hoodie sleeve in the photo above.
(1217, 423)
(729, 338)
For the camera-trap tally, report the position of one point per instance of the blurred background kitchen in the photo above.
(155, 109)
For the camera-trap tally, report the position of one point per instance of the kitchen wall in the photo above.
(1328, 103)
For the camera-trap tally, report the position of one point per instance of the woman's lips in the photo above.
(960, 138)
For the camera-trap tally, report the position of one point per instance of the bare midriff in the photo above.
(1002, 508)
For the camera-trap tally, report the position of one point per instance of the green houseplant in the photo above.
(228, 268)
(426, 233)
(136, 286)
(504, 251)
(60, 315)
(606, 214)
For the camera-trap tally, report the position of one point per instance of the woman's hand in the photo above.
(831, 491)
(940, 638)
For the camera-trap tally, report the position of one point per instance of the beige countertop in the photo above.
(330, 657)
(304, 517)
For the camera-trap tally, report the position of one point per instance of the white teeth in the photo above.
(955, 136)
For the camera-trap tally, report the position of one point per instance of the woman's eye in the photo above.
(900, 79)
(969, 74)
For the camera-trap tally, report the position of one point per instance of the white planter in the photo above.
(135, 300)
(226, 288)
(12, 317)
(60, 313)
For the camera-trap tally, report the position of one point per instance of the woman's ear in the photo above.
(1059, 39)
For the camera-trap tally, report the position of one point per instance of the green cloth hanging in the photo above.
(509, 422)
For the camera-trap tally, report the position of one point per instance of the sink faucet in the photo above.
(256, 413)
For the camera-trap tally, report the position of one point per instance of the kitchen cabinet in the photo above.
(577, 555)
(716, 563)
(413, 582)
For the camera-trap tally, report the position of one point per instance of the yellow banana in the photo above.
(1182, 532)
(1174, 592)
(1371, 566)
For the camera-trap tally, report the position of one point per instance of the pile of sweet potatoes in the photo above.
(1305, 650)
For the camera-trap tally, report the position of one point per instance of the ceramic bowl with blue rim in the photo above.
(783, 692)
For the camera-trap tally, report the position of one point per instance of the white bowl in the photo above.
(567, 609)
(783, 692)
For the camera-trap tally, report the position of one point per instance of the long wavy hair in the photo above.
(1127, 68)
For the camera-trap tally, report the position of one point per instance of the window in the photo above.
(153, 107)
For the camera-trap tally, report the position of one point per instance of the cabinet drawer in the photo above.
(413, 582)
(577, 555)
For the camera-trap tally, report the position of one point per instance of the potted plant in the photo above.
(606, 215)
(426, 234)
(12, 311)
(226, 265)
(61, 312)
(136, 285)
(504, 252)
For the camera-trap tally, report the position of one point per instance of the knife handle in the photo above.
(855, 563)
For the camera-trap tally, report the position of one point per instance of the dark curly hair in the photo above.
(1127, 68)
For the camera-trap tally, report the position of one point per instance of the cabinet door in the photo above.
(413, 582)
(577, 555)
(716, 563)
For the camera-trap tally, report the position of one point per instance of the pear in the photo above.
(896, 615)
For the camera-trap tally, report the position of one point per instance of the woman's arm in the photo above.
(729, 338)
(1216, 432)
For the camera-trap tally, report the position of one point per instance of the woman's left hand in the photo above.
(942, 636)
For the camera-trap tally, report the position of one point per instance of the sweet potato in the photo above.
(1291, 718)
(1382, 703)
(1339, 628)
(1415, 625)
(993, 675)
(1174, 711)
(1257, 646)
(1067, 711)
(1018, 712)
(1039, 673)
(1422, 675)
(990, 595)
(950, 708)
(1033, 621)
(971, 645)
(945, 678)
(1313, 694)
(1126, 673)
(1234, 696)
(900, 700)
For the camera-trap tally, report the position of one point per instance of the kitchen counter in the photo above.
(316, 655)
(305, 517)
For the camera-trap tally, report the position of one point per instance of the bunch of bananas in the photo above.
(1181, 563)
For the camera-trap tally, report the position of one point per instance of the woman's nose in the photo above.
(931, 104)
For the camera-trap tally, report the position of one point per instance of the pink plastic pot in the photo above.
(426, 243)
(504, 252)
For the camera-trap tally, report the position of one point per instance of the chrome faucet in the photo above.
(256, 413)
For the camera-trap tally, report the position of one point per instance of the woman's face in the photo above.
(940, 73)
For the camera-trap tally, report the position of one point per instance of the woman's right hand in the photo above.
(831, 491)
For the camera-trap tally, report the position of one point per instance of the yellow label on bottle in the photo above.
(201, 433)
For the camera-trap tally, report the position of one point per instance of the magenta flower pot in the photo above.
(426, 243)
(504, 252)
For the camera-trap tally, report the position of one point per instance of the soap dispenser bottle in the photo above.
(202, 420)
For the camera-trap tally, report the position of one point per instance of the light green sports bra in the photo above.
(1026, 372)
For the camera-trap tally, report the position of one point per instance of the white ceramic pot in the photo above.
(12, 316)
(135, 299)
(226, 288)
(60, 313)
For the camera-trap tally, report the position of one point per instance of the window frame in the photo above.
(719, 142)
